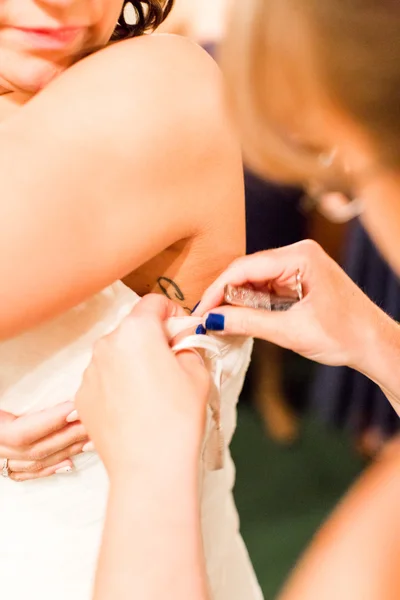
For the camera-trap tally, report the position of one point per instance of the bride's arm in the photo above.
(356, 553)
(97, 171)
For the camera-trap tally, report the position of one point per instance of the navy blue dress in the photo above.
(341, 396)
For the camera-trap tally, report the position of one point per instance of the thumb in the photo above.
(262, 324)
(192, 363)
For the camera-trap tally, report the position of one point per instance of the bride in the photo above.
(116, 161)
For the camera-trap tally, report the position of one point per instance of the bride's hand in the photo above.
(144, 407)
(42, 443)
(335, 323)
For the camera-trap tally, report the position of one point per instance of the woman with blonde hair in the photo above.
(311, 81)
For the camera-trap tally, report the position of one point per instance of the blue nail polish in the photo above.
(201, 330)
(195, 307)
(215, 322)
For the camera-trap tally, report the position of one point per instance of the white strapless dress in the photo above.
(50, 529)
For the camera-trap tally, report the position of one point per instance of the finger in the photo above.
(158, 307)
(63, 468)
(143, 327)
(70, 435)
(188, 358)
(25, 430)
(277, 265)
(26, 466)
(143, 332)
(275, 327)
(163, 310)
(192, 363)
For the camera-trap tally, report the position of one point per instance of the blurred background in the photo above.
(305, 432)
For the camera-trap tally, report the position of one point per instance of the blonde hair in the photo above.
(282, 57)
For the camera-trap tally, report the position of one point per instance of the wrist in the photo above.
(163, 477)
(381, 357)
(370, 335)
(166, 501)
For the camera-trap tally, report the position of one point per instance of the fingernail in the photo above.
(215, 322)
(63, 470)
(72, 417)
(196, 306)
(89, 447)
(199, 356)
(195, 352)
(201, 330)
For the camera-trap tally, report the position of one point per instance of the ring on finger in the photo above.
(299, 285)
(5, 471)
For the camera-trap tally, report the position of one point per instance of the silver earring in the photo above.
(130, 14)
(326, 159)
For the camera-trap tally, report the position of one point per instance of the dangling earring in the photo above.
(130, 14)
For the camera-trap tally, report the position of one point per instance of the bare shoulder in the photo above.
(152, 110)
(162, 95)
(163, 60)
(166, 76)
(167, 49)
(172, 80)
(163, 76)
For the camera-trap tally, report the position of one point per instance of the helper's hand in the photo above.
(143, 406)
(41, 443)
(335, 323)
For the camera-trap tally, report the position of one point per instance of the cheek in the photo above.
(106, 26)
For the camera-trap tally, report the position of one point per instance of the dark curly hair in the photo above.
(150, 14)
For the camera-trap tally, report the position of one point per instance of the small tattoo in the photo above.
(164, 283)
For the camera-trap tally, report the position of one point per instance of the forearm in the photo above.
(152, 544)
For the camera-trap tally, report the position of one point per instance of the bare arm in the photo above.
(152, 543)
(97, 170)
(356, 554)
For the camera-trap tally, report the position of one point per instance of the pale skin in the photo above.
(152, 543)
(105, 181)
(356, 553)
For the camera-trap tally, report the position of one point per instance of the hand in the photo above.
(41, 443)
(334, 324)
(143, 406)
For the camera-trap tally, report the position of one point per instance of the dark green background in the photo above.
(283, 494)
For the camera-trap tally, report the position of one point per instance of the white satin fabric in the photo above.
(51, 529)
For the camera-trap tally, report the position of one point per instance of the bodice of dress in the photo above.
(58, 521)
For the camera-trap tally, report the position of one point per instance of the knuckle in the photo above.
(242, 326)
(36, 454)
(18, 439)
(310, 248)
(34, 467)
(74, 439)
(237, 262)
(76, 448)
(18, 477)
